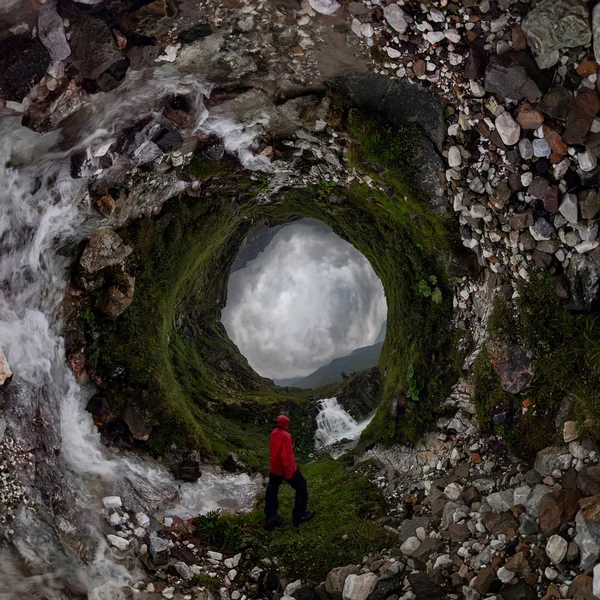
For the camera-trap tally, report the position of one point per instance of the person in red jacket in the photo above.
(283, 467)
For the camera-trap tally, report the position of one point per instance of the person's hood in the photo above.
(283, 422)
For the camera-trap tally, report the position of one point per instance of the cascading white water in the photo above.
(43, 216)
(334, 424)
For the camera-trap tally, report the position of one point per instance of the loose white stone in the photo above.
(409, 547)
(214, 555)
(476, 89)
(525, 148)
(541, 148)
(587, 161)
(118, 542)
(359, 587)
(325, 7)
(526, 178)
(434, 37)
(508, 128)
(142, 519)
(556, 549)
(112, 502)
(292, 588)
(504, 575)
(568, 208)
(454, 157)
(395, 17)
(392, 52)
(586, 247)
(596, 584)
(453, 491)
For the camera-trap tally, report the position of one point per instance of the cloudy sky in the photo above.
(308, 298)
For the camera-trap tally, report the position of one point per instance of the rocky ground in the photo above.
(466, 520)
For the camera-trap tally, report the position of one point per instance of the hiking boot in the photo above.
(308, 515)
(273, 522)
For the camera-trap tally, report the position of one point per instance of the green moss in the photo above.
(169, 354)
(346, 503)
(566, 349)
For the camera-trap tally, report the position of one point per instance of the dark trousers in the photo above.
(298, 483)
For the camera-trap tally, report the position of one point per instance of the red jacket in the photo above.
(282, 454)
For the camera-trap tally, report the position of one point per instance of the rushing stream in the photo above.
(44, 214)
(335, 425)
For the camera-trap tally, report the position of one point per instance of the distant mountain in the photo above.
(358, 360)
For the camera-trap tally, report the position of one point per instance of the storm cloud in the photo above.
(307, 298)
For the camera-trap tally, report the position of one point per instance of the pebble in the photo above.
(454, 157)
(508, 128)
(111, 502)
(396, 18)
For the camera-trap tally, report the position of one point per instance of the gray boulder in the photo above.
(555, 25)
(159, 551)
(513, 365)
(584, 282)
(336, 578)
(514, 75)
(104, 249)
(359, 587)
(551, 459)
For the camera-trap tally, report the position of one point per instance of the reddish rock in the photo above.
(529, 117)
(475, 458)
(499, 524)
(557, 508)
(556, 143)
(518, 563)
(582, 588)
(556, 103)
(484, 580)
(551, 593)
(538, 188)
(551, 199)
(581, 115)
(118, 297)
(521, 220)
(420, 68)
(105, 205)
(518, 39)
(588, 66)
(471, 495)
(459, 532)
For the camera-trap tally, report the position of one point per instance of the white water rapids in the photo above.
(44, 214)
(335, 425)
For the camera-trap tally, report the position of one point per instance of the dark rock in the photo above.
(581, 116)
(518, 563)
(232, 463)
(557, 508)
(100, 410)
(550, 199)
(428, 547)
(514, 75)
(183, 554)
(23, 62)
(521, 220)
(141, 57)
(542, 260)
(513, 366)
(584, 283)
(533, 478)
(520, 591)
(582, 588)
(589, 203)
(188, 469)
(476, 62)
(423, 588)
(150, 20)
(556, 103)
(398, 101)
(117, 298)
(484, 580)
(499, 523)
(463, 263)
(588, 481)
(139, 421)
(306, 593)
(93, 47)
(384, 589)
(538, 188)
(195, 33)
(159, 551)
(501, 418)
(459, 532)
(168, 139)
(471, 495)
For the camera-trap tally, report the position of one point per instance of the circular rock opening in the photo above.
(304, 306)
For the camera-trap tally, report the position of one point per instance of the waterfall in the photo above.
(44, 214)
(334, 424)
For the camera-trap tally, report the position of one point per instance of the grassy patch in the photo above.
(566, 348)
(169, 354)
(347, 504)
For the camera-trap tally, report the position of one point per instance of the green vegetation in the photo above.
(566, 349)
(169, 354)
(347, 504)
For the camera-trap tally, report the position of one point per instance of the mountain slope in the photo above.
(359, 360)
